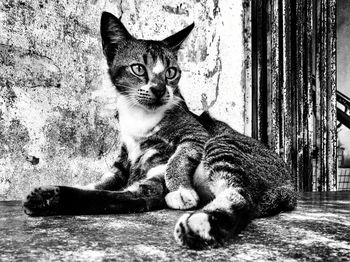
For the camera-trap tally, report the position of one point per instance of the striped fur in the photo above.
(170, 157)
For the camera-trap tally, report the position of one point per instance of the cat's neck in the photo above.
(135, 121)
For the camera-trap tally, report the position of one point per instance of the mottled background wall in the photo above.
(56, 108)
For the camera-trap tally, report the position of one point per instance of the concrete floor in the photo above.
(319, 230)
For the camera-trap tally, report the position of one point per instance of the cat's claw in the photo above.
(42, 201)
(183, 198)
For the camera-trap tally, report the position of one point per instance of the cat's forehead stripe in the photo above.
(153, 55)
(167, 62)
(145, 59)
(159, 67)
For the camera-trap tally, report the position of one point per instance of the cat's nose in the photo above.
(158, 91)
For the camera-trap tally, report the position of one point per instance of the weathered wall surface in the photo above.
(56, 111)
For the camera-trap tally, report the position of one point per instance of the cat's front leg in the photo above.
(146, 195)
(42, 201)
(113, 180)
(179, 175)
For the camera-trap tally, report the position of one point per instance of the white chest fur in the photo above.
(135, 123)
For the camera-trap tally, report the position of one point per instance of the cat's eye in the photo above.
(138, 69)
(171, 73)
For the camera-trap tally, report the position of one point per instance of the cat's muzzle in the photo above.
(152, 99)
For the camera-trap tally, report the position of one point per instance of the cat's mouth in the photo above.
(152, 103)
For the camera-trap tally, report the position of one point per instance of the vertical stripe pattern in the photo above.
(297, 50)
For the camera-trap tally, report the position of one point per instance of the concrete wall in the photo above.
(56, 108)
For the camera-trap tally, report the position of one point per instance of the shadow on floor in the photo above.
(318, 230)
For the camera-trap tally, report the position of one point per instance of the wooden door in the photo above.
(294, 86)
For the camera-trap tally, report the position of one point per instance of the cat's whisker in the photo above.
(124, 86)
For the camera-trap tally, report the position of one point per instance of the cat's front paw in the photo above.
(183, 198)
(42, 201)
(195, 231)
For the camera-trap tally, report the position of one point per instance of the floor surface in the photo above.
(318, 230)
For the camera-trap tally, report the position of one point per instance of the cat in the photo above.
(169, 157)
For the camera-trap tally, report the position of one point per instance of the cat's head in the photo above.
(144, 72)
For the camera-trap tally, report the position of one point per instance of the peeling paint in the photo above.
(178, 10)
(215, 71)
(33, 160)
(13, 138)
(25, 66)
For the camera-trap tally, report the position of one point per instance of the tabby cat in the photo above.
(169, 157)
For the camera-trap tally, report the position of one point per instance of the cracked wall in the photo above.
(56, 108)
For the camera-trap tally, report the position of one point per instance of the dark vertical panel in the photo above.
(259, 70)
(271, 72)
(247, 71)
(274, 69)
(287, 86)
(263, 92)
(319, 101)
(279, 95)
(301, 125)
(299, 88)
(316, 131)
(323, 94)
(255, 69)
(302, 84)
(308, 96)
(294, 93)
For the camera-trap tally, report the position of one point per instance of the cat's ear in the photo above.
(113, 32)
(174, 41)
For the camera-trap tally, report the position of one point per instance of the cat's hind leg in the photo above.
(226, 215)
(277, 200)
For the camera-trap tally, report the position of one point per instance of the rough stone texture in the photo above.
(319, 230)
(56, 108)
